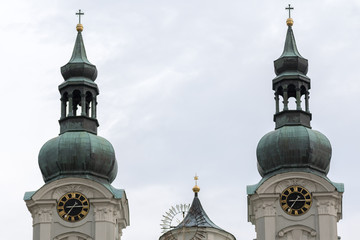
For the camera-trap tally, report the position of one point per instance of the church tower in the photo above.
(294, 199)
(77, 201)
(196, 225)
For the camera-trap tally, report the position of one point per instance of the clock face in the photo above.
(73, 206)
(295, 200)
(174, 217)
(173, 225)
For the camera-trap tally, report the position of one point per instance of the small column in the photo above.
(265, 219)
(298, 99)
(42, 219)
(87, 108)
(83, 105)
(70, 114)
(63, 108)
(276, 102)
(285, 100)
(93, 107)
(327, 218)
(307, 101)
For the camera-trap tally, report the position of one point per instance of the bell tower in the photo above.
(294, 199)
(77, 201)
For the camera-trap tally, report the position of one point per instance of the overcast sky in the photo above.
(185, 88)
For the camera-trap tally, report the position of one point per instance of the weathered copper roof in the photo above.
(79, 65)
(290, 60)
(78, 154)
(197, 216)
(295, 148)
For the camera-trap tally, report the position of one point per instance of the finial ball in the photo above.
(79, 27)
(196, 189)
(289, 22)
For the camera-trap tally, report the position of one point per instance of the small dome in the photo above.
(79, 65)
(293, 147)
(79, 69)
(290, 60)
(78, 154)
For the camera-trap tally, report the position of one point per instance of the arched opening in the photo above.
(64, 105)
(303, 99)
(291, 90)
(76, 102)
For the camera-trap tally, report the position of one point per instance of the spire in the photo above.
(79, 65)
(197, 216)
(291, 83)
(290, 49)
(78, 91)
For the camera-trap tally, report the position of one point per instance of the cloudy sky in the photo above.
(185, 88)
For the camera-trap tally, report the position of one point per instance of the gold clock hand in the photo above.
(293, 203)
(74, 206)
(70, 209)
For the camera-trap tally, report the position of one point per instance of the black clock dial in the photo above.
(73, 206)
(295, 200)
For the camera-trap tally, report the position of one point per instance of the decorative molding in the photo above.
(60, 191)
(73, 236)
(265, 209)
(327, 207)
(295, 181)
(297, 233)
(105, 213)
(42, 215)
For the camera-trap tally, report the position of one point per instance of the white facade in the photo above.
(106, 218)
(272, 223)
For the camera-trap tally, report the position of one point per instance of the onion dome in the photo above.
(78, 154)
(293, 146)
(78, 151)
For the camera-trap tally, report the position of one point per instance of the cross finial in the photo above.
(289, 8)
(196, 177)
(196, 188)
(79, 13)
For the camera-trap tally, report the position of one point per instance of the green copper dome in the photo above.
(78, 154)
(296, 148)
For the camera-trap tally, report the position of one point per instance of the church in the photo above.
(294, 200)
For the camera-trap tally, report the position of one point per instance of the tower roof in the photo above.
(290, 49)
(197, 217)
(293, 146)
(79, 65)
(290, 60)
(78, 151)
